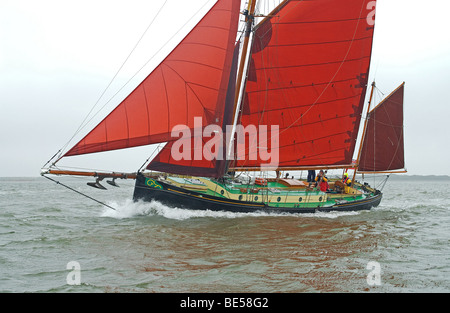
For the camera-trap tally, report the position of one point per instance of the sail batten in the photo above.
(290, 86)
(339, 61)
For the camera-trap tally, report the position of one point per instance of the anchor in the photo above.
(97, 184)
(112, 182)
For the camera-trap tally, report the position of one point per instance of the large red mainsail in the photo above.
(308, 74)
(383, 144)
(190, 82)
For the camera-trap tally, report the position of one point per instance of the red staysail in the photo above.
(308, 74)
(383, 145)
(201, 157)
(208, 165)
(191, 82)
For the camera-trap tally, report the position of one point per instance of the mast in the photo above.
(249, 17)
(363, 133)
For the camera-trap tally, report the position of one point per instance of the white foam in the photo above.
(128, 209)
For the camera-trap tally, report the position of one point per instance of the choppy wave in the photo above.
(150, 247)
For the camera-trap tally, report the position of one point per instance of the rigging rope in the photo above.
(85, 195)
(84, 122)
(381, 185)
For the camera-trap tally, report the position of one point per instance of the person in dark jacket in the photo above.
(311, 176)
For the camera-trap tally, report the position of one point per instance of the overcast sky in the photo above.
(57, 57)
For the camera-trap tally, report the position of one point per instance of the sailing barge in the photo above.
(288, 93)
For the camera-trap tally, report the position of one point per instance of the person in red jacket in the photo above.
(322, 181)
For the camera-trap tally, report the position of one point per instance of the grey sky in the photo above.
(57, 57)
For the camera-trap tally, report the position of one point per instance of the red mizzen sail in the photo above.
(383, 145)
(191, 82)
(308, 74)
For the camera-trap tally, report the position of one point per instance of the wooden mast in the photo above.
(363, 134)
(249, 18)
(248, 28)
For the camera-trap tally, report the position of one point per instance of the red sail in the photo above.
(383, 148)
(208, 164)
(203, 152)
(308, 74)
(190, 82)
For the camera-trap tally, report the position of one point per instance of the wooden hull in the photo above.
(173, 196)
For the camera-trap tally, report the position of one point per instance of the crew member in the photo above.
(311, 176)
(322, 181)
(347, 181)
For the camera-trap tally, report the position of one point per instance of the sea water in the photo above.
(54, 240)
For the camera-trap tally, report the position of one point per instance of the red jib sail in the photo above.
(308, 74)
(383, 147)
(191, 82)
